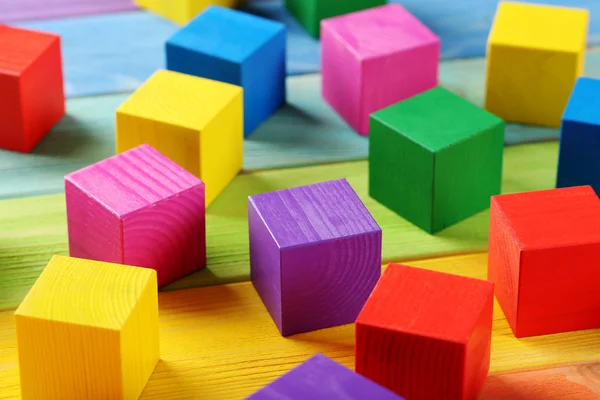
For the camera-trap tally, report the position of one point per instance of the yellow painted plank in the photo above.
(220, 343)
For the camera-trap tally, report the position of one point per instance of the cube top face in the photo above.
(426, 303)
(551, 218)
(380, 31)
(85, 292)
(27, 44)
(539, 27)
(151, 177)
(227, 34)
(314, 213)
(455, 121)
(584, 102)
(320, 378)
(179, 99)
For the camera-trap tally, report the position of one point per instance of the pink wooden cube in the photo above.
(138, 208)
(374, 58)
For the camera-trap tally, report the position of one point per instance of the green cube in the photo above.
(435, 159)
(310, 12)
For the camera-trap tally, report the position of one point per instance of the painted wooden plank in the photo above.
(23, 10)
(98, 49)
(98, 60)
(33, 229)
(220, 343)
(305, 132)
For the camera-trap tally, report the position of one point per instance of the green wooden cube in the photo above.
(310, 12)
(435, 159)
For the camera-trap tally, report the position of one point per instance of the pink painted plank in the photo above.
(374, 58)
(25, 10)
(138, 208)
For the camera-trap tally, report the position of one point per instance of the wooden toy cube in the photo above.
(320, 378)
(195, 122)
(580, 137)
(315, 255)
(374, 58)
(544, 252)
(31, 87)
(435, 159)
(426, 334)
(182, 11)
(88, 330)
(310, 12)
(138, 208)
(535, 54)
(249, 51)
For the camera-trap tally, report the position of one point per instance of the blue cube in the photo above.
(579, 154)
(238, 48)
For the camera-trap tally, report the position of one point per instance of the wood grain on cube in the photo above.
(544, 248)
(138, 208)
(425, 334)
(88, 329)
(315, 254)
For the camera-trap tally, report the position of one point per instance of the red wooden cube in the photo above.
(32, 99)
(544, 252)
(426, 334)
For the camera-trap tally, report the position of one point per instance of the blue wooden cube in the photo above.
(579, 154)
(238, 48)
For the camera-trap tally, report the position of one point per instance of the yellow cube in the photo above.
(182, 11)
(196, 122)
(535, 54)
(88, 330)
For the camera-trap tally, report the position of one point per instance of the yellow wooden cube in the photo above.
(182, 11)
(535, 54)
(88, 330)
(196, 122)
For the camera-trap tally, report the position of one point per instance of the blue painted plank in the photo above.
(117, 52)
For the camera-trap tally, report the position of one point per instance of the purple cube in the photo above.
(320, 378)
(315, 255)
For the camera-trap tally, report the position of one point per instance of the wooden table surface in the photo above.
(217, 340)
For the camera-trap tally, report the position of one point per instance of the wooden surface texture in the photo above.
(98, 48)
(220, 343)
(34, 228)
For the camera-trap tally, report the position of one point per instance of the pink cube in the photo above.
(138, 208)
(374, 58)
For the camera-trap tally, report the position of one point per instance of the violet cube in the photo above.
(320, 378)
(374, 58)
(315, 255)
(138, 208)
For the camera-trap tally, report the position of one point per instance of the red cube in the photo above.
(544, 253)
(426, 334)
(32, 98)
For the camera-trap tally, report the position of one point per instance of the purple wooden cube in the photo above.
(320, 378)
(315, 255)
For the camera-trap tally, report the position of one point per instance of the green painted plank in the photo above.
(33, 229)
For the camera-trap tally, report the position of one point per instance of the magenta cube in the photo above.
(315, 255)
(138, 208)
(374, 58)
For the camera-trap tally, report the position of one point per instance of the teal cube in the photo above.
(435, 158)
